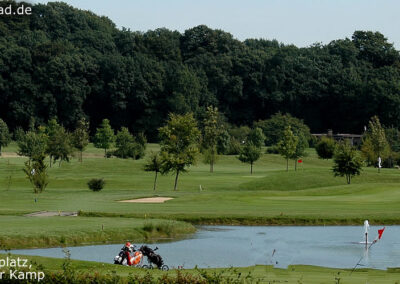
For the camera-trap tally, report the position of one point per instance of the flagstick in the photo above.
(367, 248)
(380, 232)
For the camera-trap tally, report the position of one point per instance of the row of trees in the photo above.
(52, 140)
(181, 141)
(59, 144)
(128, 146)
(67, 63)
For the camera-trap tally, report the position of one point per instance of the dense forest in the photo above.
(65, 63)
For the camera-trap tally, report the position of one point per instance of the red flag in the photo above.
(380, 232)
(300, 161)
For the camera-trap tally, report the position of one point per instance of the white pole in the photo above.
(366, 228)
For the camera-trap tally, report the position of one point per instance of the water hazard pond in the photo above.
(240, 246)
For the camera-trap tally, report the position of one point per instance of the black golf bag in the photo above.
(152, 256)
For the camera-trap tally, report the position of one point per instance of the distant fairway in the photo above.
(230, 195)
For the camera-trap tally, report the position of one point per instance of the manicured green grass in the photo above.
(229, 192)
(263, 274)
(230, 195)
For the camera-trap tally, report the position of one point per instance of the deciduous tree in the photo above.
(210, 138)
(300, 151)
(376, 134)
(124, 141)
(179, 138)
(325, 148)
(346, 161)
(33, 144)
(59, 144)
(154, 164)
(80, 137)
(256, 137)
(104, 137)
(37, 173)
(249, 153)
(5, 136)
(287, 145)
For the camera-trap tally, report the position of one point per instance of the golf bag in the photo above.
(152, 257)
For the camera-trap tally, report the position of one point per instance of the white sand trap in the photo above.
(10, 155)
(253, 176)
(148, 200)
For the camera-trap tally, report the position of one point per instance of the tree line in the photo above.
(182, 138)
(71, 64)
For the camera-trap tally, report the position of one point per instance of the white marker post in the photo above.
(366, 229)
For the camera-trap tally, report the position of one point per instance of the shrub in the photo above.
(133, 150)
(325, 148)
(96, 184)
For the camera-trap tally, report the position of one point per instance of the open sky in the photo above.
(299, 22)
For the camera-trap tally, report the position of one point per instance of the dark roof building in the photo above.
(355, 139)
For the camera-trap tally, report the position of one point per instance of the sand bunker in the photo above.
(10, 155)
(148, 200)
(52, 214)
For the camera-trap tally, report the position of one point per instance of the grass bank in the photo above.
(254, 220)
(84, 272)
(36, 232)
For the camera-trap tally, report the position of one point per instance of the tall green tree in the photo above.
(52, 129)
(249, 153)
(80, 137)
(379, 143)
(33, 144)
(210, 137)
(60, 146)
(346, 161)
(256, 137)
(154, 164)
(59, 142)
(223, 142)
(5, 136)
(287, 145)
(178, 140)
(124, 142)
(301, 147)
(129, 146)
(104, 137)
(37, 173)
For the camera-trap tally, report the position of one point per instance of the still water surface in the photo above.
(226, 246)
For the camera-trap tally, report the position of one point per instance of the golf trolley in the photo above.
(131, 256)
(153, 258)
